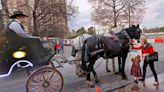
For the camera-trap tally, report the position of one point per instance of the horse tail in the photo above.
(74, 51)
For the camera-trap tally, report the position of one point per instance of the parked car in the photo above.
(68, 42)
(49, 45)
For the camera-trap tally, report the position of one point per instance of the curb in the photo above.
(128, 83)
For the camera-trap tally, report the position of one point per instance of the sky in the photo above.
(154, 16)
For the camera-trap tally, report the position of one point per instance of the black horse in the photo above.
(106, 47)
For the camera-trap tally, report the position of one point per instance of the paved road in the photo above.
(17, 81)
(148, 88)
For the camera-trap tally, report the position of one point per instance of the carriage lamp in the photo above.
(19, 54)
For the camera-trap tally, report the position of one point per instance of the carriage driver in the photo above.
(32, 43)
(16, 24)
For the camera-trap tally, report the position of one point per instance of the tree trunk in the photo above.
(115, 14)
(34, 25)
(129, 16)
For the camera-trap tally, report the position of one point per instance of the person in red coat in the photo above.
(57, 47)
(147, 49)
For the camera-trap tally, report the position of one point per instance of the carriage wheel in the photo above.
(46, 79)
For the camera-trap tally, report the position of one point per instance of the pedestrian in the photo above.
(136, 59)
(61, 46)
(57, 47)
(147, 50)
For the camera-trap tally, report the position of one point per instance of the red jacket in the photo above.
(57, 46)
(146, 50)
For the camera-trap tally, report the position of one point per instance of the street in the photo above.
(148, 88)
(109, 82)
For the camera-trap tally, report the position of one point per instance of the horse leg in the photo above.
(123, 66)
(119, 65)
(97, 80)
(88, 80)
(113, 65)
(107, 69)
(78, 69)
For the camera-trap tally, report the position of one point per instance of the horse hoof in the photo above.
(90, 84)
(108, 71)
(80, 76)
(124, 77)
(80, 73)
(117, 73)
(97, 80)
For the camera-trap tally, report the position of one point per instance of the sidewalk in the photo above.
(149, 86)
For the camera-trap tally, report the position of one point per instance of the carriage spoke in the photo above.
(51, 90)
(55, 79)
(42, 90)
(54, 88)
(43, 75)
(51, 76)
(47, 74)
(37, 80)
(35, 88)
(34, 84)
(45, 89)
(56, 83)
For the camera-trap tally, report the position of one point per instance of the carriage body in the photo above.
(12, 45)
(4, 66)
(30, 54)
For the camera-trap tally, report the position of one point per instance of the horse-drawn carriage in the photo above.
(29, 54)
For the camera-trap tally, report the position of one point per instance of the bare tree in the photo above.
(46, 16)
(5, 8)
(110, 12)
(49, 16)
(135, 10)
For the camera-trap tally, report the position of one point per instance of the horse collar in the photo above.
(126, 33)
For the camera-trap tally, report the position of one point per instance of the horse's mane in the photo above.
(117, 29)
(123, 33)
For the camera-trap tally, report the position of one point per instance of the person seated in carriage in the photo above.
(19, 40)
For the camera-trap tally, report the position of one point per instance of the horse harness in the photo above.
(100, 44)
